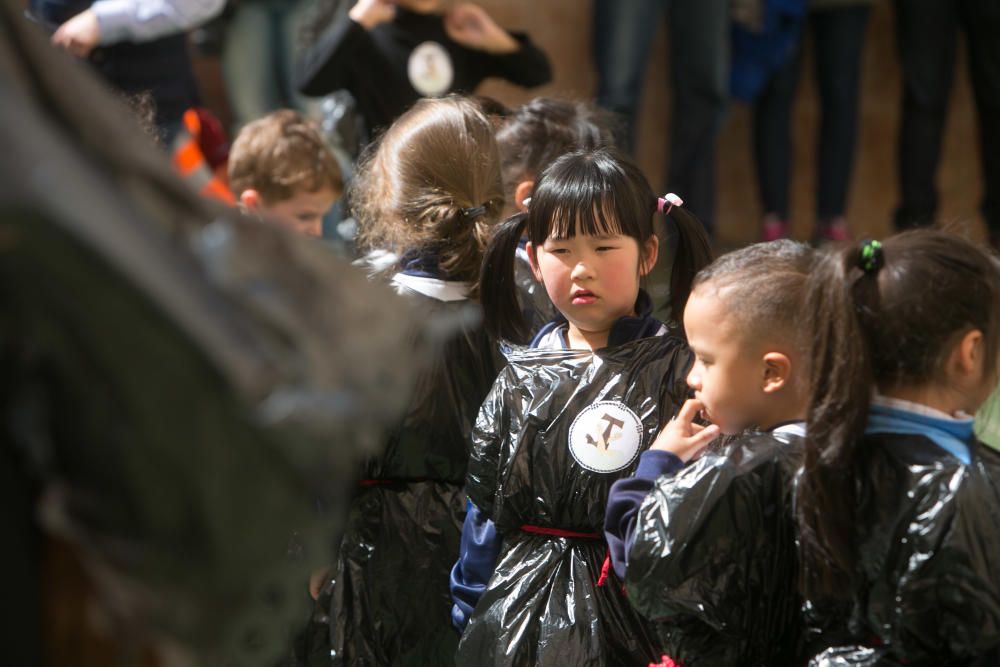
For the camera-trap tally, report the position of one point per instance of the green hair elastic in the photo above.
(871, 255)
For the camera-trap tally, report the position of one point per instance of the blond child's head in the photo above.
(743, 323)
(280, 165)
(431, 185)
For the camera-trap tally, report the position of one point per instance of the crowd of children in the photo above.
(784, 474)
(559, 492)
(781, 470)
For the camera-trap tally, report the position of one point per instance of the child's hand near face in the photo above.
(682, 437)
(472, 27)
(370, 13)
(79, 35)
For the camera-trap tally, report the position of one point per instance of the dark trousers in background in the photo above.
(838, 41)
(699, 56)
(927, 34)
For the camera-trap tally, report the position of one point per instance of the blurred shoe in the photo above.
(833, 230)
(773, 228)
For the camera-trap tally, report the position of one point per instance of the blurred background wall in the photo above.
(563, 29)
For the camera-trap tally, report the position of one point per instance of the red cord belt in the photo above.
(559, 532)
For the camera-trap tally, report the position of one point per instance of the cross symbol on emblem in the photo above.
(603, 440)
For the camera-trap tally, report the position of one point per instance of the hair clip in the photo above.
(871, 258)
(667, 202)
(474, 212)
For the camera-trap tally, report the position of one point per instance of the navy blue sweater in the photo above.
(627, 496)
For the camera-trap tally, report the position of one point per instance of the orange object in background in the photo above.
(202, 138)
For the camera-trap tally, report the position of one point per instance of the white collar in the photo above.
(793, 428)
(435, 288)
(917, 408)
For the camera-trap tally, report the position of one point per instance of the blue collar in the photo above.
(624, 330)
(419, 264)
(955, 436)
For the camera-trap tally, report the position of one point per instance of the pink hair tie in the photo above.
(667, 202)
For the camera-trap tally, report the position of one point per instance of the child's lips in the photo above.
(705, 415)
(582, 297)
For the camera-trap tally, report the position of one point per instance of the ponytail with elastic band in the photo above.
(502, 314)
(865, 289)
(694, 251)
(870, 256)
(473, 212)
(666, 203)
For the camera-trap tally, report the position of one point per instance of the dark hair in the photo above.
(879, 317)
(764, 286)
(432, 183)
(536, 133)
(492, 108)
(586, 192)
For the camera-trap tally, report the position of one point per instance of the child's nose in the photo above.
(581, 270)
(694, 380)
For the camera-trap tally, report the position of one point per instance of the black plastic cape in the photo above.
(389, 593)
(543, 606)
(713, 561)
(928, 538)
(180, 388)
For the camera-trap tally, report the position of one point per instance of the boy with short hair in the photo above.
(279, 165)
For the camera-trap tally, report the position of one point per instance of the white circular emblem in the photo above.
(605, 437)
(430, 69)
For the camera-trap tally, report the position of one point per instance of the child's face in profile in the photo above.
(728, 374)
(303, 212)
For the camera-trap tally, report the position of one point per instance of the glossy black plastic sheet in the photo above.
(928, 537)
(182, 387)
(558, 428)
(714, 561)
(389, 602)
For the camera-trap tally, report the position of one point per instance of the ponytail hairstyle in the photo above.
(591, 192)
(431, 184)
(882, 315)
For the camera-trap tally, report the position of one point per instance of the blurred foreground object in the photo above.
(181, 390)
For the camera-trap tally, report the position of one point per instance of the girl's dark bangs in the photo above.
(586, 208)
(598, 219)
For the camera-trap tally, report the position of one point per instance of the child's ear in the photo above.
(968, 355)
(530, 249)
(777, 372)
(250, 200)
(650, 250)
(522, 191)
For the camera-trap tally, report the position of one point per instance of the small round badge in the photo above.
(605, 437)
(430, 69)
